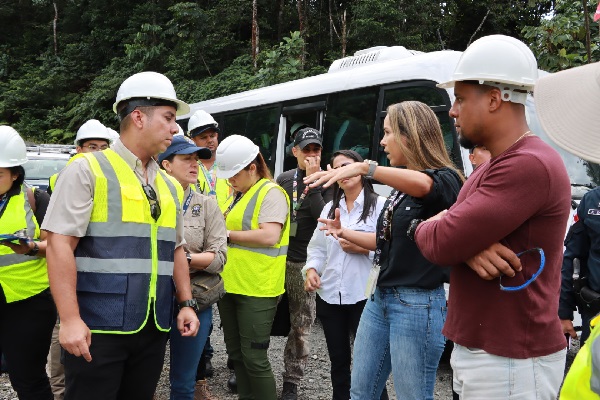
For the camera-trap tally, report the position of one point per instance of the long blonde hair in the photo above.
(425, 147)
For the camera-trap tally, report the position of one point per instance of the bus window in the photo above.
(349, 122)
(260, 126)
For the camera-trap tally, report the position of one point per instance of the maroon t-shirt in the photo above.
(521, 199)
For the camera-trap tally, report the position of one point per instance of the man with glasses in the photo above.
(115, 235)
(91, 136)
(306, 206)
(504, 235)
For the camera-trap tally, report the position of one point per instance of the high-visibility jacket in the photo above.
(222, 188)
(21, 276)
(255, 271)
(125, 260)
(583, 380)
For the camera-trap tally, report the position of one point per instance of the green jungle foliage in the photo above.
(61, 62)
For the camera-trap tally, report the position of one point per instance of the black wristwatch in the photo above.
(33, 252)
(189, 303)
(188, 255)
(412, 228)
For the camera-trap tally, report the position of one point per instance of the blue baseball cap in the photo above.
(182, 145)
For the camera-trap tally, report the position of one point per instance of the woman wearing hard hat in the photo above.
(27, 311)
(258, 232)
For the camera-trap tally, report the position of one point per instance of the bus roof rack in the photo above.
(51, 148)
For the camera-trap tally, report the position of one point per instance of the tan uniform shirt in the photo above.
(72, 200)
(205, 229)
(275, 207)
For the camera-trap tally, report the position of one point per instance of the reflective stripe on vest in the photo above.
(21, 276)
(255, 271)
(583, 380)
(125, 260)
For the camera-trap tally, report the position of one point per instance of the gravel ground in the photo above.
(316, 384)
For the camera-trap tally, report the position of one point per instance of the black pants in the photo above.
(339, 323)
(124, 367)
(25, 334)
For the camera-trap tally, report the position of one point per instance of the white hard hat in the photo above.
(200, 122)
(13, 151)
(147, 89)
(234, 153)
(92, 129)
(114, 135)
(500, 61)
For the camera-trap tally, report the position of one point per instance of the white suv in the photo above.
(45, 161)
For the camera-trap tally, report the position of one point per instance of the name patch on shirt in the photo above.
(593, 211)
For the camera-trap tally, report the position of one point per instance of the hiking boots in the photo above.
(289, 391)
(202, 392)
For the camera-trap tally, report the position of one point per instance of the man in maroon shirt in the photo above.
(507, 342)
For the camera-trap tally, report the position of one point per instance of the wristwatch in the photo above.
(412, 228)
(188, 255)
(33, 252)
(189, 303)
(372, 166)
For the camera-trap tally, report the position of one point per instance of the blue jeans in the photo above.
(185, 355)
(400, 331)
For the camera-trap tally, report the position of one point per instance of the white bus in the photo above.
(347, 104)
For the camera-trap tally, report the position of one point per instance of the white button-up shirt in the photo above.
(343, 275)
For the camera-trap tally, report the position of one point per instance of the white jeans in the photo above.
(483, 376)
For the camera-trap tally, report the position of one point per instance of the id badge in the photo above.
(372, 281)
(293, 229)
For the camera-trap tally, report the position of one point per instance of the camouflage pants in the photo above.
(302, 316)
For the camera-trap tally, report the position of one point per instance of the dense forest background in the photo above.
(61, 62)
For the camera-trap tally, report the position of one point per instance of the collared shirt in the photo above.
(343, 275)
(72, 200)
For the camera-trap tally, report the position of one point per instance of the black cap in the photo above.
(306, 136)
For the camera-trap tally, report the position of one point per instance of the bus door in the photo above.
(292, 115)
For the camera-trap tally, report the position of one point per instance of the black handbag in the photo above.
(589, 300)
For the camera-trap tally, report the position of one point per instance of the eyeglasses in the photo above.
(153, 200)
(533, 277)
(95, 147)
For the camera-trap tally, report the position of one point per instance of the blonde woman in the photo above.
(400, 330)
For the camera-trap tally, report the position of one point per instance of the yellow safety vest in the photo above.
(21, 276)
(583, 380)
(255, 271)
(125, 260)
(223, 190)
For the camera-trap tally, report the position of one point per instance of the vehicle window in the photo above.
(43, 168)
(260, 126)
(349, 121)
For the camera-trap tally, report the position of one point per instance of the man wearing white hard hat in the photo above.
(567, 104)
(115, 250)
(503, 237)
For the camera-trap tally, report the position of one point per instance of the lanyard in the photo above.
(3, 201)
(211, 177)
(237, 198)
(187, 201)
(297, 203)
(385, 233)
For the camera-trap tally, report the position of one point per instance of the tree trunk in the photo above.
(331, 26)
(588, 40)
(344, 34)
(254, 31)
(302, 27)
(280, 20)
(54, 28)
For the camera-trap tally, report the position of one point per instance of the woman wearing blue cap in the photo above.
(206, 251)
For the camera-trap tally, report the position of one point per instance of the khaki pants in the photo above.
(56, 371)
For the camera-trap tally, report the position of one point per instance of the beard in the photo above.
(466, 143)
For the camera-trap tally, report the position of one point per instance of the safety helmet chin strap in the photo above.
(514, 94)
